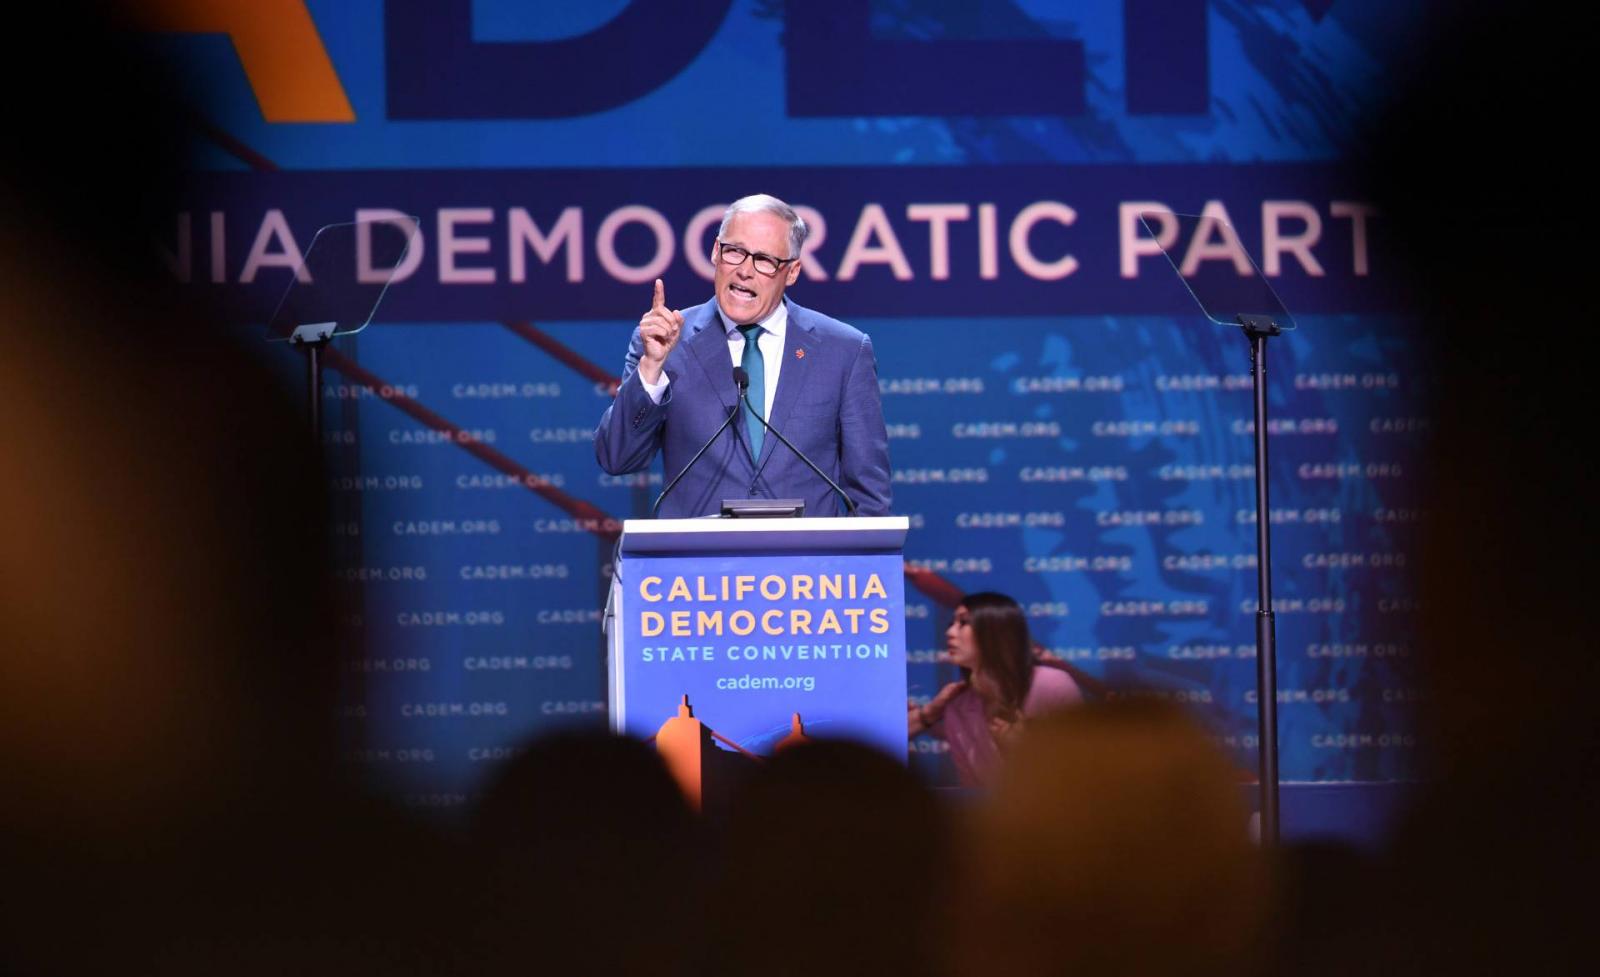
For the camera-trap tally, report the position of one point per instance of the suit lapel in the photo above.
(709, 344)
(798, 354)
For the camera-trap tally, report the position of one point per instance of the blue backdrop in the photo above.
(1065, 426)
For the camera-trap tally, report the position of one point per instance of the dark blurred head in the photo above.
(836, 861)
(1115, 842)
(1480, 177)
(164, 573)
(97, 137)
(592, 862)
(1484, 195)
(579, 788)
(167, 683)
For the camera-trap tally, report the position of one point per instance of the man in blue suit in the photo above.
(813, 378)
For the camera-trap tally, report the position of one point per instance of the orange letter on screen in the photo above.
(283, 56)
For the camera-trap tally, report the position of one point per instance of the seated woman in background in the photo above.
(1001, 686)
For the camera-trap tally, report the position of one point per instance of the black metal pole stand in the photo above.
(1257, 330)
(313, 348)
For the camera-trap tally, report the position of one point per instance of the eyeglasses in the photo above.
(733, 256)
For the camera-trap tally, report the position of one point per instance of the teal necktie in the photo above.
(756, 402)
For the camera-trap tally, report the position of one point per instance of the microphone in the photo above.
(742, 380)
(703, 448)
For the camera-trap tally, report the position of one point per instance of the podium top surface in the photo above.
(862, 533)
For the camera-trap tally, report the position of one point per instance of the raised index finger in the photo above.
(661, 296)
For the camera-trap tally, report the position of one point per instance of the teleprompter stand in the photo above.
(336, 290)
(1233, 292)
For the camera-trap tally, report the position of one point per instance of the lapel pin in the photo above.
(799, 354)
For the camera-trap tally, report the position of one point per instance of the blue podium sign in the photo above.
(760, 630)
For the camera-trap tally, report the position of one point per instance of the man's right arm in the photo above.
(630, 430)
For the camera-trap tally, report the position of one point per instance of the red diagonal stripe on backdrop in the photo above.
(595, 520)
(934, 586)
(232, 146)
(931, 584)
(565, 355)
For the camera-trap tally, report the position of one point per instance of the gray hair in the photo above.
(768, 204)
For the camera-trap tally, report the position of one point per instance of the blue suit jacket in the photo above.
(826, 404)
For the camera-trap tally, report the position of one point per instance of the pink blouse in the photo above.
(966, 728)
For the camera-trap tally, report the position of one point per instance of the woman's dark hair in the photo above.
(1000, 632)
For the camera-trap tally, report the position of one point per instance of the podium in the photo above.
(731, 638)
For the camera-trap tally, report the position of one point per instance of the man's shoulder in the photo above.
(824, 327)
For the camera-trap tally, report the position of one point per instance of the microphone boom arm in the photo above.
(849, 503)
(703, 448)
